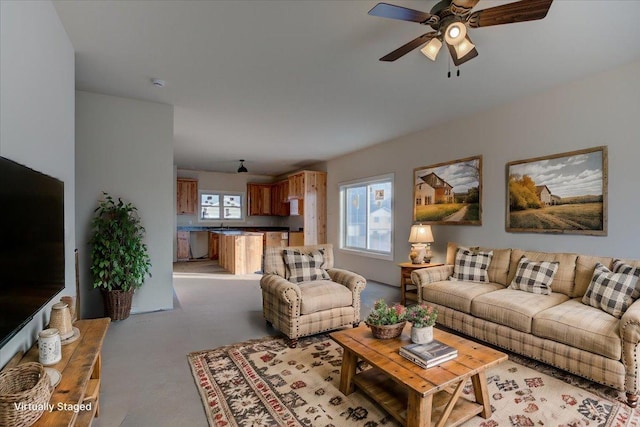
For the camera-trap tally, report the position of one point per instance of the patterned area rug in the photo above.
(265, 383)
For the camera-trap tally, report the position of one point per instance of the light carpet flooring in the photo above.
(146, 377)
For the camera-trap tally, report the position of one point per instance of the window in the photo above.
(220, 206)
(366, 216)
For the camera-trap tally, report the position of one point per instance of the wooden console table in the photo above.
(80, 384)
(409, 291)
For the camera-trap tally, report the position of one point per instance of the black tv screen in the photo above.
(31, 244)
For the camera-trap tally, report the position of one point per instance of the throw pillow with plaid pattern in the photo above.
(620, 267)
(609, 291)
(303, 267)
(471, 266)
(534, 277)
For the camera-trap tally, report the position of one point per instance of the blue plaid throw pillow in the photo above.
(471, 266)
(302, 267)
(534, 277)
(609, 291)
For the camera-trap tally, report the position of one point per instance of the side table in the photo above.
(409, 291)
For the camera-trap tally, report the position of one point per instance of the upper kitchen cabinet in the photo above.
(259, 199)
(280, 198)
(296, 185)
(187, 196)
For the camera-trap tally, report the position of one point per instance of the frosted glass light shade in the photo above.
(432, 48)
(463, 48)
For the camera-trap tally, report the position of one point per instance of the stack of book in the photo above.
(428, 355)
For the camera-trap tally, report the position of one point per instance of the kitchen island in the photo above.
(240, 252)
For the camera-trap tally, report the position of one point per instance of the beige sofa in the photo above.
(557, 329)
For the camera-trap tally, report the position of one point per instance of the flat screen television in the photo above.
(31, 244)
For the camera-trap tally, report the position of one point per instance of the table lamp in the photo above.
(420, 237)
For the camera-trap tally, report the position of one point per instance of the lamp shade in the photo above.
(420, 234)
(464, 47)
(432, 48)
(455, 33)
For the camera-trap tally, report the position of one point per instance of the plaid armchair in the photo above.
(312, 306)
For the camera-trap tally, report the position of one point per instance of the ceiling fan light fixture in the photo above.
(463, 48)
(432, 48)
(455, 33)
(242, 168)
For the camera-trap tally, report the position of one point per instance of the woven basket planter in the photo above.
(27, 384)
(387, 331)
(117, 304)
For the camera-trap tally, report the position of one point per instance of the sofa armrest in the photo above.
(630, 333)
(353, 281)
(424, 276)
(282, 291)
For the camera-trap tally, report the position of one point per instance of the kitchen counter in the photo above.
(240, 252)
(244, 228)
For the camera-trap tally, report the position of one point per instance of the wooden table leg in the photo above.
(419, 410)
(348, 371)
(481, 392)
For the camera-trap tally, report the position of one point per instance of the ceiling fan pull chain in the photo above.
(449, 64)
(458, 73)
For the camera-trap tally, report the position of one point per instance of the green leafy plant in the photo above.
(382, 314)
(422, 315)
(119, 257)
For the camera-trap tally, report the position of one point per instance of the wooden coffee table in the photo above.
(412, 395)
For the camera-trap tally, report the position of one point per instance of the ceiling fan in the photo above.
(450, 19)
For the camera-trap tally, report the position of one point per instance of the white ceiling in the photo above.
(284, 84)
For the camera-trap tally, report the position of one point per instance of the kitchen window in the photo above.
(218, 206)
(366, 216)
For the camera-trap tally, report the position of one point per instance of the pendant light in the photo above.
(242, 169)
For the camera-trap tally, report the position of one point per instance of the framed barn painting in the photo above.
(562, 193)
(448, 193)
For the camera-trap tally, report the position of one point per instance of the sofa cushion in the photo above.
(584, 271)
(471, 265)
(563, 282)
(303, 267)
(513, 308)
(581, 326)
(456, 295)
(498, 268)
(534, 277)
(610, 292)
(320, 295)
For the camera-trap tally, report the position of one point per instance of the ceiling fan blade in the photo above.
(385, 10)
(462, 7)
(403, 50)
(520, 11)
(459, 61)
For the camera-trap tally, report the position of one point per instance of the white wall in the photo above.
(599, 110)
(125, 147)
(37, 119)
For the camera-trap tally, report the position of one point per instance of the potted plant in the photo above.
(422, 318)
(119, 258)
(386, 322)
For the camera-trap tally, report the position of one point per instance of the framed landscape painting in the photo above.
(448, 193)
(562, 193)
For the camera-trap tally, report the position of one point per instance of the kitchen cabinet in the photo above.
(187, 196)
(214, 245)
(241, 253)
(280, 198)
(309, 188)
(296, 185)
(296, 238)
(276, 238)
(259, 199)
(183, 246)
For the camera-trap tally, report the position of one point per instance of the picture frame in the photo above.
(448, 193)
(563, 193)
